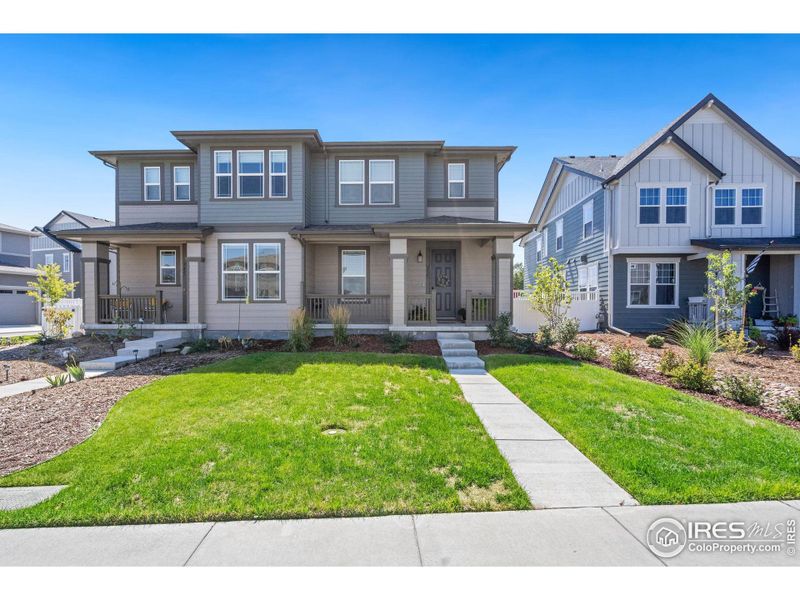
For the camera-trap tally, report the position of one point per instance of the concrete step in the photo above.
(452, 335)
(459, 352)
(149, 346)
(456, 344)
(109, 363)
(463, 362)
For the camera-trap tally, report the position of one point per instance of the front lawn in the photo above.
(273, 435)
(661, 445)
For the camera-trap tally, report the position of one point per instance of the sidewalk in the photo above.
(580, 536)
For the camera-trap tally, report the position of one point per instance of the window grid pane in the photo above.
(223, 174)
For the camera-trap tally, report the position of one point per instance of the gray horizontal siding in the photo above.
(157, 212)
(15, 243)
(481, 177)
(16, 261)
(691, 282)
(130, 174)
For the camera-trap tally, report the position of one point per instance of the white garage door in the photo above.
(16, 308)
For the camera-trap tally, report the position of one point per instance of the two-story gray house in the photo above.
(16, 307)
(49, 248)
(231, 233)
(636, 229)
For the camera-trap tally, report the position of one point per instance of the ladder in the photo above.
(770, 305)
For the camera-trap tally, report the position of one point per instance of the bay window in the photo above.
(234, 271)
(223, 174)
(181, 184)
(278, 173)
(152, 184)
(267, 271)
(250, 169)
(456, 180)
(351, 182)
(381, 182)
(354, 272)
(653, 283)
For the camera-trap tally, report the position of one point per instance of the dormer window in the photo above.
(251, 173)
(456, 180)
(152, 184)
(223, 174)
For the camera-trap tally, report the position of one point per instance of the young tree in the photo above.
(549, 294)
(48, 289)
(726, 291)
(519, 276)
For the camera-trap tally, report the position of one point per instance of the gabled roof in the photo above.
(598, 167)
(63, 243)
(11, 229)
(86, 220)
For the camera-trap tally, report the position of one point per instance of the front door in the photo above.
(443, 272)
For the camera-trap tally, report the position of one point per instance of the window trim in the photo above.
(239, 175)
(216, 174)
(361, 249)
(339, 181)
(284, 175)
(652, 262)
(584, 222)
(588, 267)
(253, 245)
(738, 206)
(223, 272)
(559, 235)
(368, 177)
(538, 249)
(662, 202)
(145, 185)
(545, 241)
(66, 262)
(448, 181)
(250, 295)
(175, 183)
(161, 250)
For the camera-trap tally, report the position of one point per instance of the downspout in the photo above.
(709, 215)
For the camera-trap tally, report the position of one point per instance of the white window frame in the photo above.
(545, 241)
(379, 182)
(662, 202)
(161, 266)
(539, 254)
(652, 262)
(585, 272)
(737, 204)
(257, 272)
(462, 181)
(228, 175)
(175, 183)
(363, 253)
(146, 185)
(362, 182)
(559, 235)
(48, 259)
(590, 205)
(239, 174)
(285, 174)
(66, 262)
(223, 272)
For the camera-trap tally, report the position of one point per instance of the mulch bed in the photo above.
(356, 343)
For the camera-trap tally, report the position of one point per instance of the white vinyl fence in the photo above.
(585, 307)
(76, 306)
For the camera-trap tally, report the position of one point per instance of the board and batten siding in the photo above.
(691, 282)
(253, 211)
(572, 188)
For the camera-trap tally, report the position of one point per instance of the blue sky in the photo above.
(61, 96)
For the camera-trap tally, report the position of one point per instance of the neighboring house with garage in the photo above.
(636, 229)
(16, 307)
(230, 233)
(48, 247)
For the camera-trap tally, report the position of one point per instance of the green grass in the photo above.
(659, 444)
(244, 439)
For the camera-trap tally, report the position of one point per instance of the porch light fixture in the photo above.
(419, 256)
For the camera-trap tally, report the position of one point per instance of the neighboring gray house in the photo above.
(16, 308)
(231, 233)
(636, 229)
(48, 247)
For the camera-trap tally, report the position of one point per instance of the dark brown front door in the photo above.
(443, 271)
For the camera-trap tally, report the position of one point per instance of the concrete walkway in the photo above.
(580, 536)
(552, 471)
(21, 387)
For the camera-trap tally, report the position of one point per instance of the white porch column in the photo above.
(398, 253)
(94, 256)
(504, 266)
(796, 284)
(194, 277)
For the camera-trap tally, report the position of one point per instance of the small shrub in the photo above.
(668, 363)
(700, 341)
(301, 331)
(225, 342)
(526, 343)
(247, 343)
(734, 342)
(754, 333)
(501, 333)
(694, 376)
(585, 351)
(76, 372)
(201, 345)
(791, 408)
(567, 332)
(744, 390)
(786, 321)
(795, 350)
(57, 380)
(623, 359)
(544, 336)
(397, 342)
(340, 319)
(654, 341)
(786, 337)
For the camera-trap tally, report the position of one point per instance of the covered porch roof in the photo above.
(140, 233)
(771, 244)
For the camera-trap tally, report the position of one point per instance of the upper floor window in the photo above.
(381, 182)
(456, 180)
(676, 205)
(152, 184)
(588, 219)
(48, 259)
(67, 262)
(649, 206)
(250, 169)
(234, 271)
(539, 254)
(354, 272)
(278, 173)
(752, 206)
(724, 206)
(223, 174)
(351, 182)
(267, 271)
(544, 242)
(559, 235)
(182, 191)
(167, 267)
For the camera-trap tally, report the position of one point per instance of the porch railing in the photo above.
(363, 309)
(421, 308)
(481, 308)
(130, 308)
(698, 310)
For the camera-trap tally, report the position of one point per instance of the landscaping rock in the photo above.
(186, 350)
